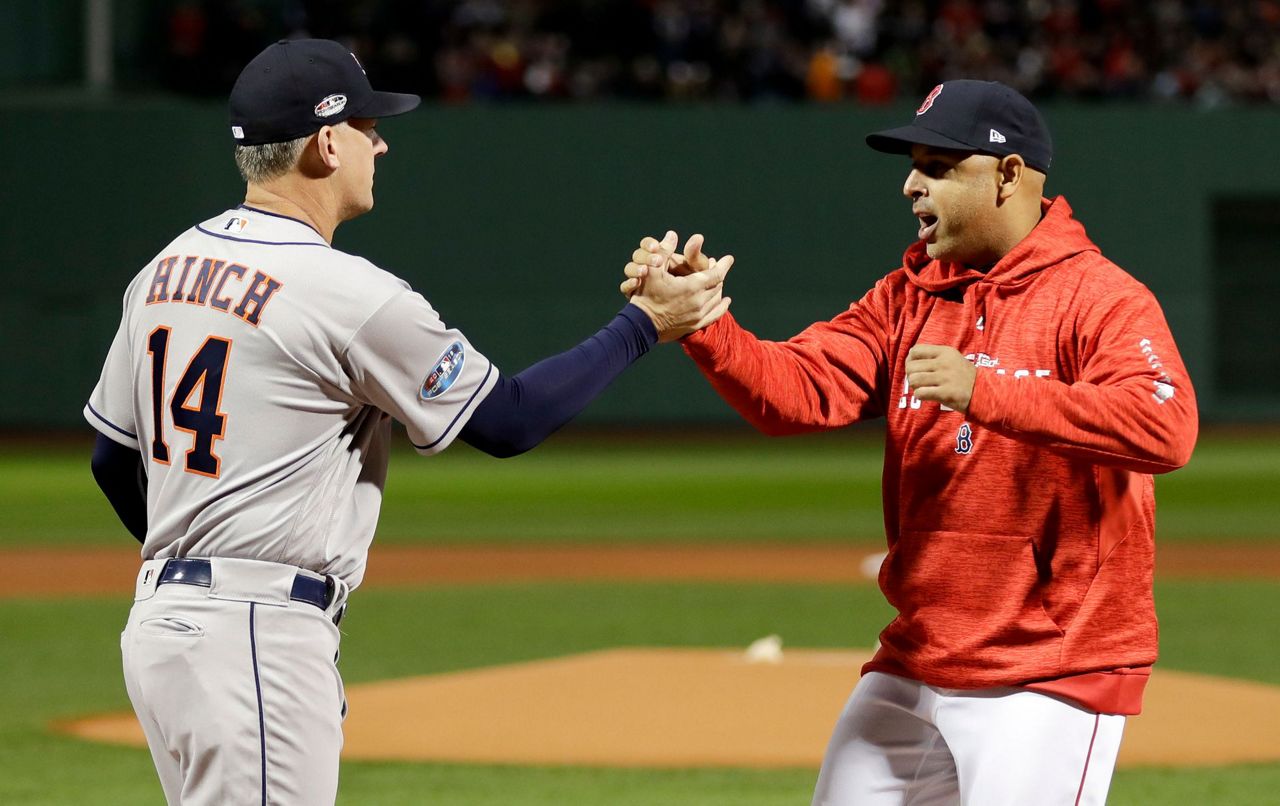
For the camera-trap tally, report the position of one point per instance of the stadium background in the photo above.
(513, 210)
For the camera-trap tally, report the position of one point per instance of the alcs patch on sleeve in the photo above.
(447, 369)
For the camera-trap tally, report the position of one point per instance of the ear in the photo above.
(326, 145)
(1009, 174)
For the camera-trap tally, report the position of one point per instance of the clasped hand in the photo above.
(680, 292)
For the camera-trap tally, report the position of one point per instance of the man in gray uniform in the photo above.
(244, 417)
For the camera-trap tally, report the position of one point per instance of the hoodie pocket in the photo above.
(171, 627)
(967, 591)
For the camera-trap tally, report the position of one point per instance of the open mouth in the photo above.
(928, 223)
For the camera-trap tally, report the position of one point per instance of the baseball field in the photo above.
(570, 626)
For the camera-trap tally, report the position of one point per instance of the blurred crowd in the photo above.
(1210, 52)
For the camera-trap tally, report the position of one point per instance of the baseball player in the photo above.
(244, 416)
(1031, 389)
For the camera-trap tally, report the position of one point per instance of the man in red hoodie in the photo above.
(1031, 388)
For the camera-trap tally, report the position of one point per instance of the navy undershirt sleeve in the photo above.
(119, 472)
(521, 411)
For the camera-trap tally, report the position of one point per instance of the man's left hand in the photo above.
(941, 374)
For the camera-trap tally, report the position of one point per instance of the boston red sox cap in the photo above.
(296, 86)
(982, 116)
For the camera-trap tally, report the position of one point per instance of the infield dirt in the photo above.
(678, 708)
(98, 571)
(666, 707)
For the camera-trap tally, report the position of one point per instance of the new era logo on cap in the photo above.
(997, 137)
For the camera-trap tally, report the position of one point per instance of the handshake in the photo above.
(680, 292)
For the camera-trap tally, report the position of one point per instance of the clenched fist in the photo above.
(941, 374)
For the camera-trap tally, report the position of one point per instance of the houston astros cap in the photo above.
(296, 86)
(983, 116)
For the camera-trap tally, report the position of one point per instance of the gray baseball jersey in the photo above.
(257, 370)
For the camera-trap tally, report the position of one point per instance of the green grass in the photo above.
(61, 659)
(663, 489)
(414, 785)
(1244, 785)
(1229, 489)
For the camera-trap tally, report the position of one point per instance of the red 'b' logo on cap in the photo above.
(928, 100)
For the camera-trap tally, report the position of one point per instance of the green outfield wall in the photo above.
(515, 221)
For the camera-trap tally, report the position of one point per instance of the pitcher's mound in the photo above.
(712, 708)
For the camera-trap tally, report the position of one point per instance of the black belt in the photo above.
(189, 571)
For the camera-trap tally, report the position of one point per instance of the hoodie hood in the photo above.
(1057, 237)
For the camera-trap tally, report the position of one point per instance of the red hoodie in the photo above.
(1021, 534)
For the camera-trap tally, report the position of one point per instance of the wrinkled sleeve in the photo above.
(1132, 407)
(829, 375)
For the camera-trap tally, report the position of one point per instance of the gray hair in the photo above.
(261, 163)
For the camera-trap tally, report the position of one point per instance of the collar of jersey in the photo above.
(283, 231)
(260, 211)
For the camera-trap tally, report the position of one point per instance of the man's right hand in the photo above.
(680, 293)
(653, 253)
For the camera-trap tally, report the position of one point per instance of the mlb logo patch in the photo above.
(330, 106)
(236, 224)
(447, 369)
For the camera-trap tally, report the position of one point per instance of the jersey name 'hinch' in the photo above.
(206, 286)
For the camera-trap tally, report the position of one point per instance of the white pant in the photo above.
(902, 743)
(239, 695)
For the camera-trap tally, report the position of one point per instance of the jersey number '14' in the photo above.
(203, 421)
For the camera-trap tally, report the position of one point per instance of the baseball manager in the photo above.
(244, 416)
(1031, 390)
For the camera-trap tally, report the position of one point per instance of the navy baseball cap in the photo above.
(983, 116)
(296, 86)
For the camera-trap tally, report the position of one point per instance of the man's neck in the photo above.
(1017, 230)
(294, 203)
